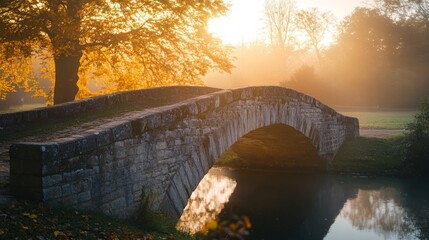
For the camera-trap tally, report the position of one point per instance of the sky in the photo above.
(244, 22)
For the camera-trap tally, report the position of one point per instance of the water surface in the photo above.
(282, 205)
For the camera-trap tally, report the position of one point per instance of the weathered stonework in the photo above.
(164, 151)
(17, 121)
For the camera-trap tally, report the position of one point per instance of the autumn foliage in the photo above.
(120, 44)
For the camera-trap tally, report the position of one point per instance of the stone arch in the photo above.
(243, 111)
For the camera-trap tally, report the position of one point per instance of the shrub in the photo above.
(417, 142)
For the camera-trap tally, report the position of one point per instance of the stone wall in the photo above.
(10, 122)
(164, 151)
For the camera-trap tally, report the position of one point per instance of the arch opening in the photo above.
(277, 146)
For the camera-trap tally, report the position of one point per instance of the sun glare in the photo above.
(244, 22)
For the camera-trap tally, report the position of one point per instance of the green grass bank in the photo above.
(382, 119)
(370, 156)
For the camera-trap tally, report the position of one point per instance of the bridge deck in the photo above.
(76, 127)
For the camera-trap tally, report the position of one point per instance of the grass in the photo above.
(227, 158)
(383, 119)
(23, 220)
(374, 156)
(370, 156)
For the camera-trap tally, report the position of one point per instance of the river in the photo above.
(283, 205)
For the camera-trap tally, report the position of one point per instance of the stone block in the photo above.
(52, 180)
(178, 142)
(154, 120)
(161, 145)
(174, 199)
(120, 152)
(66, 189)
(84, 196)
(139, 126)
(122, 131)
(103, 137)
(52, 192)
(67, 149)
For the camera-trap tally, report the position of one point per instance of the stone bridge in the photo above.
(163, 151)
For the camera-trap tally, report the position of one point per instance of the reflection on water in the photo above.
(309, 206)
(374, 214)
(207, 201)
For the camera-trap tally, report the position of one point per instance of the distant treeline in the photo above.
(379, 57)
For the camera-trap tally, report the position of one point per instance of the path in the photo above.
(379, 133)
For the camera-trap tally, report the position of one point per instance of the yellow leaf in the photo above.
(59, 234)
(247, 223)
(33, 216)
(212, 224)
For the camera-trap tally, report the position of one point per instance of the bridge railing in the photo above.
(20, 120)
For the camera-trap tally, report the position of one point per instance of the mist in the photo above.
(378, 59)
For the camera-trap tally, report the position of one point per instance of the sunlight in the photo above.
(207, 201)
(244, 22)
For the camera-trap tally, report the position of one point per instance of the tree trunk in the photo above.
(66, 76)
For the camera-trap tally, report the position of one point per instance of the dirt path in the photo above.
(379, 133)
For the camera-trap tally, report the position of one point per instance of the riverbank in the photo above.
(370, 156)
(377, 152)
(379, 149)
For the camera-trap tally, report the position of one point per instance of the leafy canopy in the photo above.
(123, 44)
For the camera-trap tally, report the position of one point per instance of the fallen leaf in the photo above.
(60, 234)
(247, 222)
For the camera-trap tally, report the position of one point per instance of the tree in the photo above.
(417, 139)
(306, 80)
(376, 57)
(158, 41)
(368, 31)
(279, 18)
(405, 10)
(315, 25)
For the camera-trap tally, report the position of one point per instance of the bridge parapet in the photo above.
(10, 122)
(164, 151)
